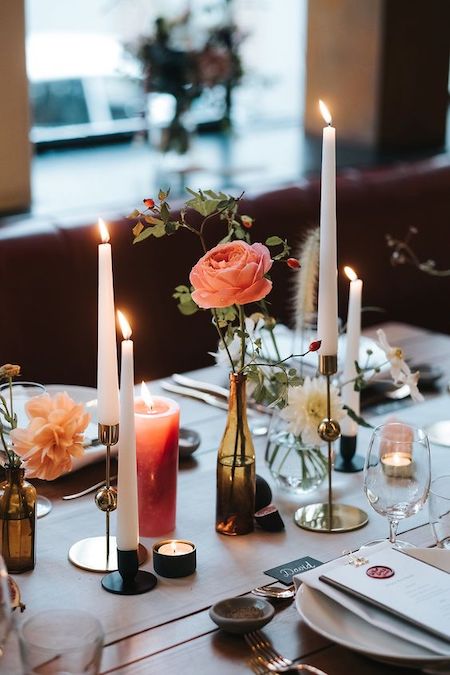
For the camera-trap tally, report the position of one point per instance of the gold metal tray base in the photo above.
(90, 554)
(344, 518)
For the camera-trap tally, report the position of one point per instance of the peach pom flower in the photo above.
(231, 274)
(53, 437)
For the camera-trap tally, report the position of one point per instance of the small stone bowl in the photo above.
(241, 615)
(188, 442)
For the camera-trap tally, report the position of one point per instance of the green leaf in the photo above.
(188, 308)
(274, 241)
(163, 194)
(137, 229)
(143, 235)
(182, 289)
(151, 220)
(172, 226)
(356, 418)
(165, 213)
(134, 214)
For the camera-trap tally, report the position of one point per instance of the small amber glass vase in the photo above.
(235, 504)
(17, 521)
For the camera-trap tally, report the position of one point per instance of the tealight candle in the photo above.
(174, 558)
(397, 464)
(157, 427)
(175, 548)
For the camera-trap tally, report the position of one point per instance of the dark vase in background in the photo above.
(17, 521)
(235, 504)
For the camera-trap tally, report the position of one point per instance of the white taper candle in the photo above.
(349, 395)
(107, 378)
(327, 322)
(127, 499)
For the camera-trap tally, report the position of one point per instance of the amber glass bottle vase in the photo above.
(235, 503)
(17, 521)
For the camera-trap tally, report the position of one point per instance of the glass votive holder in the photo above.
(439, 509)
(61, 641)
(174, 558)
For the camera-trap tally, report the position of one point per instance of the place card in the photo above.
(284, 573)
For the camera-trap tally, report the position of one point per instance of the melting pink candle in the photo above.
(157, 422)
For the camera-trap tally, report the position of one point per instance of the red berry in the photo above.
(315, 345)
(293, 263)
(149, 203)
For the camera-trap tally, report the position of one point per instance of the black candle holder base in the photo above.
(143, 582)
(347, 461)
(129, 580)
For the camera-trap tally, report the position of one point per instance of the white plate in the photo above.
(338, 624)
(88, 396)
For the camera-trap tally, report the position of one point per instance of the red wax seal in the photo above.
(380, 572)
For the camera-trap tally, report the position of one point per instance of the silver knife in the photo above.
(195, 393)
(216, 390)
(202, 386)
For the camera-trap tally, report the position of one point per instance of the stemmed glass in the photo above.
(397, 473)
(22, 392)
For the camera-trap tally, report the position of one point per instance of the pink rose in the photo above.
(231, 274)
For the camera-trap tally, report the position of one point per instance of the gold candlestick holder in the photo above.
(99, 554)
(329, 516)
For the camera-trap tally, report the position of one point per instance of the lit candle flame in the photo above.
(125, 326)
(351, 274)
(174, 547)
(103, 230)
(325, 112)
(146, 396)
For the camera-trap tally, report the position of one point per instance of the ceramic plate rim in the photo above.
(306, 597)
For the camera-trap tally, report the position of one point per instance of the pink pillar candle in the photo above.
(157, 464)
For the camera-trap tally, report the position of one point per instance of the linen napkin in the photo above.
(377, 617)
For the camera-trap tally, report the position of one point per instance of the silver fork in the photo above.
(266, 659)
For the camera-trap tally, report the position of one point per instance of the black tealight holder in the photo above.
(174, 565)
(348, 461)
(129, 579)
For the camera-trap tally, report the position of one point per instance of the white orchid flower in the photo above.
(395, 356)
(412, 380)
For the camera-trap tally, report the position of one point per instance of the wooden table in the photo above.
(169, 630)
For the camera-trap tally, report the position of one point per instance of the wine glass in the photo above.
(397, 473)
(22, 392)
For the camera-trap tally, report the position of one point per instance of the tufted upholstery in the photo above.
(48, 273)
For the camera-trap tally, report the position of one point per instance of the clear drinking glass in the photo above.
(61, 642)
(397, 473)
(439, 507)
(21, 393)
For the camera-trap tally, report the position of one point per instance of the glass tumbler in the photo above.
(439, 508)
(61, 642)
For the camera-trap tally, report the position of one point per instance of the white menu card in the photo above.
(412, 603)
(397, 583)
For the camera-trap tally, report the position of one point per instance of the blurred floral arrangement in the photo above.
(402, 253)
(53, 437)
(185, 66)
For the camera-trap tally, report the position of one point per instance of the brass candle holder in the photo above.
(99, 554)
(329, 516)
